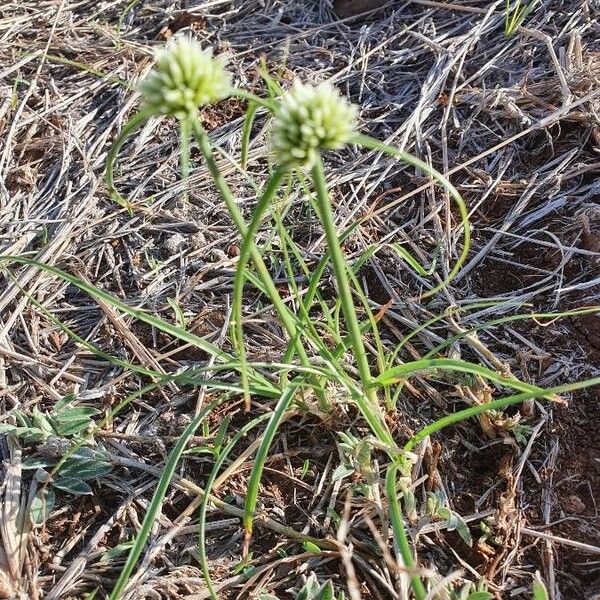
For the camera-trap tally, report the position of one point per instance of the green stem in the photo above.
(185, 130)
(206, 497)
(343, 275)
(401, 541)
(238, 283)
(289, 321)
(341, 272)
(499, 404)
(369, 142)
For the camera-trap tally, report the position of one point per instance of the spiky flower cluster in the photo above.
(310, 119)
(184, 78)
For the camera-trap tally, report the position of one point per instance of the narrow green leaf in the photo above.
(221, 457)
(42, 421)
(310, 547)
(397, 373)
(368, 142)
(461, 527)
(136, 121)
(402, 546)
(116, 551)
(480, 596)
(499, 404)
(157, 499)
(539, 589)
(252, 487)
(412, 261)
(246, 132)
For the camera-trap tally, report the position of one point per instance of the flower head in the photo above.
(184, 78)
(310, 119)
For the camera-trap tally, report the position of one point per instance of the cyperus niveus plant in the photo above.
(310, 119)
(184, 78)
(306, 122)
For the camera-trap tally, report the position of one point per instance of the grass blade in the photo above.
(509, 319)
(261, 457)
(373, 144)
(157, 499)
(398, 373)
(401, 541)
(177, 332)
(246, 132)
(248, 245)
(500, 404)
(205, 499)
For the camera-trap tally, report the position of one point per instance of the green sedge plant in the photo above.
(515, 14)
(306, 121)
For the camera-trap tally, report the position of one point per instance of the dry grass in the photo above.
(515, 123)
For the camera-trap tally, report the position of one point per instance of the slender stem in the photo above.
(340, 269)
(366, 398)
(369, 142)
(185, 130)
(401, 541)
(289, 321)
(238, 284)
(343, 276)
(499, 404)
